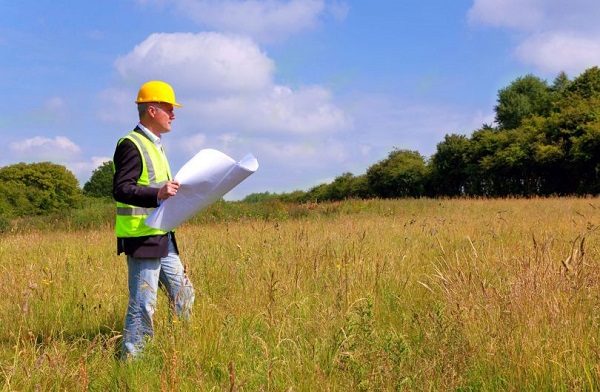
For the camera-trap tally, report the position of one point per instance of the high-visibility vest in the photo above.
(130, 220)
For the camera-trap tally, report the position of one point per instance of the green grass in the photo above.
(359, 295)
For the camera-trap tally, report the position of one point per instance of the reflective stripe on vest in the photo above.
(130, 219)
(150, 165)
(134, 211)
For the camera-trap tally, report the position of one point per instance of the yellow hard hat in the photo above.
(156, 91)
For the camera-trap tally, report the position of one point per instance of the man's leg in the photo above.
(143, 286)
(176, 283)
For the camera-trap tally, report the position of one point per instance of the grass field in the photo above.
(361, 295)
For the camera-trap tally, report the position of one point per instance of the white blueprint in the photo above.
(205, 178)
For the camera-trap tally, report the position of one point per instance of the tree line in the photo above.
(43, 188)
(545, 141)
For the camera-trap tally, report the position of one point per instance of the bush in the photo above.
(101, 182)
(4, 224)
(402, 174)
(37, 188)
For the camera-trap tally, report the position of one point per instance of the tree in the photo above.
(101, 182)
(347, 186)
(569, 155)
(259, 197)
(317, 193)
(449, 174)
(547, 142)
(524, 97)
(401, 174)
(587, 84)
(561, 83)
(38, 188)
(585, 156)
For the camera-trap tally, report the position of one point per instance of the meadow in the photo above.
(417, 294)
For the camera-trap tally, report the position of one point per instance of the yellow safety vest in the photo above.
(130, 221)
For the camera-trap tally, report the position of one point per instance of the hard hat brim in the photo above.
(175, 104)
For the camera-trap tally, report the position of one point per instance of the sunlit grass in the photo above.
(360, 295)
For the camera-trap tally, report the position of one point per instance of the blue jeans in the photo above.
(144, 278)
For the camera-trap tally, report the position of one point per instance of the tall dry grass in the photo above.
(372, 295)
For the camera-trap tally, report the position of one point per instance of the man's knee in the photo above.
(184, 300)
(147, 300)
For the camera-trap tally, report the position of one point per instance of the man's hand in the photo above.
(168, 190)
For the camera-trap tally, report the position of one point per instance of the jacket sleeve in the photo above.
(128, 169)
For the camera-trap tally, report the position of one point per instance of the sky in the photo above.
(312, 88)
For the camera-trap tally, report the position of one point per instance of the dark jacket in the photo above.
(128, 169)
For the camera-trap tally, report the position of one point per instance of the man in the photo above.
(141, 182)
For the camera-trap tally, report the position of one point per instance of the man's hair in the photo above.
(143, 108)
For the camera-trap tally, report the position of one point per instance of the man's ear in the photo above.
(151, 111)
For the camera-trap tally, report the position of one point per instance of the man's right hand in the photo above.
(168, 190)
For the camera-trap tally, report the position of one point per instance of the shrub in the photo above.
(402, 174)
(101, 181)
(37, 188)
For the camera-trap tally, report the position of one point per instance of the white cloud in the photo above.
(555, 52)
(229, 141)
(198, 63)
(60, 150)
(536, 16)
(297, 153)
(555, 35)
(278, 109)
(521, 14)
(225, 83)
(83, 168)
(228, 138)
(55, 104)
(97, 161)
(44, 148)
(292, 154)
(193, 143)
(265, 21)
(231, 102)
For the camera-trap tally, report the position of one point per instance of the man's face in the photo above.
(162, 115)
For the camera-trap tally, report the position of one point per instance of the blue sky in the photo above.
(312, 88)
